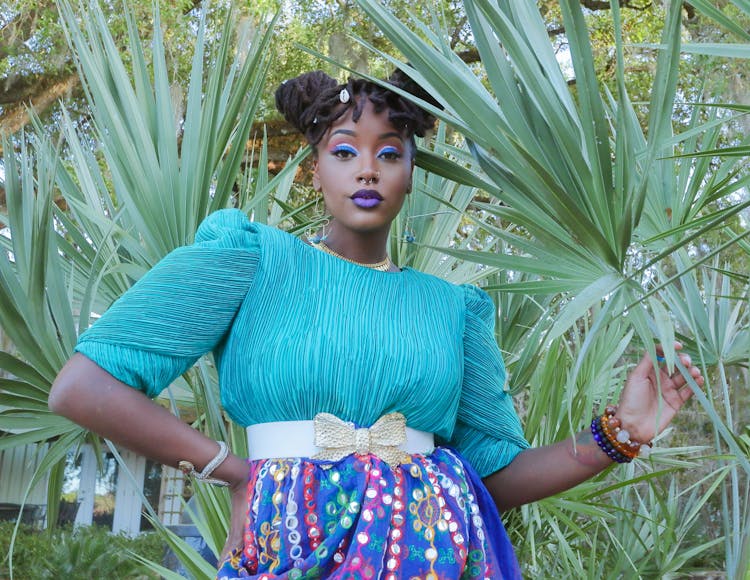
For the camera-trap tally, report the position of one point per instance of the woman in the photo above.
(347, 371)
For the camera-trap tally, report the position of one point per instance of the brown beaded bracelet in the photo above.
(604, 444)
(619, 438)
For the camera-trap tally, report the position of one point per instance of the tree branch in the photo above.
(456, 35)
(633, 5)
(602, 5)
(16, 117)
(189, 8)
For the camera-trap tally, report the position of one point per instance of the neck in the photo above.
(366, 248)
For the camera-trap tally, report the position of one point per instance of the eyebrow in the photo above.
(354, 134)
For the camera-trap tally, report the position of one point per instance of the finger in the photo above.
(678, 397)
(670, 381)
(697, 376)
(680, 380)
(677, 345)
(229, 547)
(686, 360)
(660, 350)
(644, 366)
(685, 393)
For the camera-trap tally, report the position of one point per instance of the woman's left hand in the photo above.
(647, 404)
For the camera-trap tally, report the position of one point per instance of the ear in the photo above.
(316, 178)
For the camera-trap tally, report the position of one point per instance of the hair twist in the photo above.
(311, 102)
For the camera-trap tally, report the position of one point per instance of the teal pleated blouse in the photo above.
(295, 332)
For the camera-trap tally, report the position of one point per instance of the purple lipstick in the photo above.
(367, 198)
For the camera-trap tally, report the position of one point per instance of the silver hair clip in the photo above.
(315, 121)
(344, 95)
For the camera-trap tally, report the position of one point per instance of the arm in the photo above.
(181, 309)
(88, 395)
(538, 473)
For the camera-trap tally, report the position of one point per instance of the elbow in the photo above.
(86, 394)
(68, 391)
(60, 395)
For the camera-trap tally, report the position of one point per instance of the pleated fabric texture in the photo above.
(295, 332)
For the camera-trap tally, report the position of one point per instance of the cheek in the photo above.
(406, 176)
(330, 201)
(324, 178)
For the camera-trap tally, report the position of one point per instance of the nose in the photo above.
(367, 177)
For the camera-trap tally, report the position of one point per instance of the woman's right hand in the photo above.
(87, 394)
(235, 536)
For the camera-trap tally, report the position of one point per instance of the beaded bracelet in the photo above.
(614, 440)
(604, 443)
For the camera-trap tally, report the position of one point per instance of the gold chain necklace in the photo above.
(382, 266)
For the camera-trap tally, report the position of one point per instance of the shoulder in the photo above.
(436, 285)
(478, 302)
(225, 225)
(229, 228)
(475, 301)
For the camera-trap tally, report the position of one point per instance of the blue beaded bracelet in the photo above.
(604, 444)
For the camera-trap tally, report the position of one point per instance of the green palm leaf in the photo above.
(592, 209)
(162, 176)
(167, 173)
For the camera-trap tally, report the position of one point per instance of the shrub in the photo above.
(84, 553)
(30, 548)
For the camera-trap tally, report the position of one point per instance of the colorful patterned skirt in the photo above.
(359, 518)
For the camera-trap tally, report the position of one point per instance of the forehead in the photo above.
(369, 123)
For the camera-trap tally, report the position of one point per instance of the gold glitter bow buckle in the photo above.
(337, 438)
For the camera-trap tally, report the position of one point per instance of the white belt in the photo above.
(329, 438)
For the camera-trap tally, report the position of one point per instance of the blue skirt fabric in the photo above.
(429, 518)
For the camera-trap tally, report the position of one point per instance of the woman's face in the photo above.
(364, 170)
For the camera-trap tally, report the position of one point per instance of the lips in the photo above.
(366, 198)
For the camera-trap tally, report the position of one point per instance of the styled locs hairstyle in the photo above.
(312, 102)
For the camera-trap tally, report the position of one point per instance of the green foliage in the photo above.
(35, 45)
(57, 262)
(601, 216)
(31, 547)
(34, 54)
(600, 224)
(85, 553)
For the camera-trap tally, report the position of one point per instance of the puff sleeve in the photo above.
(180, 309)
(488, 431)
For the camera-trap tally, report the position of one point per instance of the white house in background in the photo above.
(18, 465)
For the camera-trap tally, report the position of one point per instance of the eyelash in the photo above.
(348, 149)
(389, 153)
(345, 151)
